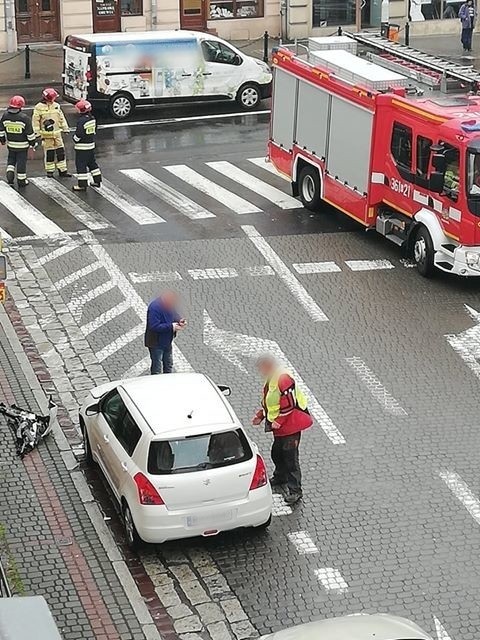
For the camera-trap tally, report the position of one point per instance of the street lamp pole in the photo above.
(358, 15)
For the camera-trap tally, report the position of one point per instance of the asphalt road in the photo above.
(390, 518)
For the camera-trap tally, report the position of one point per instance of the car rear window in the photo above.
(199, 452)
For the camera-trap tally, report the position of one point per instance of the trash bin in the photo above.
(394, 32)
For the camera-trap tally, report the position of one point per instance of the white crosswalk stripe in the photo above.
(64, 197)
(4, 235)
(225, 197)
(28, 215)
(127, 204)
(268, 166)
(253, 183)
(170, 195)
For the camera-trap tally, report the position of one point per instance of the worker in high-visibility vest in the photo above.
(17, 133)
(49, 123)
(284, 409)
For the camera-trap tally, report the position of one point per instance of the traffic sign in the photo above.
(3, 292)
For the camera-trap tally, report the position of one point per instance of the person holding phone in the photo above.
(163, 324)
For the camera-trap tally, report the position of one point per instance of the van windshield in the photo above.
(197, 453)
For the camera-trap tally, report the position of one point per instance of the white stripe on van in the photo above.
(172, 197)
(281, 199)
(225, 197)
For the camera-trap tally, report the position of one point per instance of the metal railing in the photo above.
(5, 591)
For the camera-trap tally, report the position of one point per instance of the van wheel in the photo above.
(133, 539)
(248, 96)
(423, 252)
(121, 106)
(309, 188)
(86, 445)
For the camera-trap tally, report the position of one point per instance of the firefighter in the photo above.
(284, 409)
(49, 123)
(17, 133)
(452, 175)
(84, 143)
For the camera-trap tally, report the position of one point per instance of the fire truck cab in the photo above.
(400, 157)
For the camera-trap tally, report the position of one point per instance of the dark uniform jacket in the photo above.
(16, 130)
(85, 133)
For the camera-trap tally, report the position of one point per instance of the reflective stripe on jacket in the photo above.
(85, 133)
(16, 130)
(286, 404)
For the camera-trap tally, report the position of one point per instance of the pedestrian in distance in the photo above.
(284, 409)
(163, 324)
(468, 16)
(49, 123)
(84, 144)
(17, 133)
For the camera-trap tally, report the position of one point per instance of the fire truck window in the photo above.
(401, 146)
(452, 170)
(423, 155)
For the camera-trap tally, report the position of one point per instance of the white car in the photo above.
(176, 457)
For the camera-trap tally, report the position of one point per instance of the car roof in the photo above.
(166, 402)
(138, 36)
(355, 627)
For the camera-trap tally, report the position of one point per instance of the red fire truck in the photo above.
(390, 137)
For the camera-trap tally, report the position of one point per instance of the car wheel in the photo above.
(309, 188)
(266, 524)
(248, 96)
(121, 106)
(133, 539)
(423, 252)
(86, 445)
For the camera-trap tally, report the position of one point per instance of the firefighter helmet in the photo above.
(83, 106)
(50, 95)
(17, 102)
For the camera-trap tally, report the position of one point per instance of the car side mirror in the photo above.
(225, 390)
(436, 182)
(92, 410)
(237, 60)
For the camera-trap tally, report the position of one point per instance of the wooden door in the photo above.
(106, 16)
(193, 14)
(37, 20)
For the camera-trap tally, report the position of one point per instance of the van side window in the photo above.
(423, 155)
(452, 170)
(401, 145)
(214, 51)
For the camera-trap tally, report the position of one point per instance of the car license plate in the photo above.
(212, 519)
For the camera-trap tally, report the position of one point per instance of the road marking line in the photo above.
(205, 274)
(56, 253)
(278, 197)
(293, 285)
(263, 163)
(368, 265)
(120, 342)
(154, 276)
(76, 306)
(137, 304)
(261, 270)
(4, 235)
(463, 493)
(168, 194)
(137, 369)
(302, 542)
(150, 123)
(227, 198)
(28, 215)
(123, 201)
(331, 579)
(376, 388)
(466, 343)
(280, 507)
(440, 630)
(76, 275)
(75, 206)
(316, 267)
(105, 317)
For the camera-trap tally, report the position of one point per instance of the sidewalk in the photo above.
(53, 539)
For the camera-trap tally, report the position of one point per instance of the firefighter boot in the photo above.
(10, 174)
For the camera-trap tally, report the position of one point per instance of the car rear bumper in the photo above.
(157, 524)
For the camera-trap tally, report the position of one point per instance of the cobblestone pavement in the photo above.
(390, 517)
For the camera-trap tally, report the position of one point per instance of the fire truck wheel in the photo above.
(423, 252)
(248, 96)
(121, 106)
(309, 188)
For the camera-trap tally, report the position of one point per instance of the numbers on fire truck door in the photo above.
(402, 188)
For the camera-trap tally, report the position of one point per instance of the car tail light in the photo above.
(147, 494)
(260, 476)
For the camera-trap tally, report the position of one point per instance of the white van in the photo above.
(120, 71)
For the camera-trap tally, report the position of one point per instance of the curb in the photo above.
(86, 497)
(25, 84)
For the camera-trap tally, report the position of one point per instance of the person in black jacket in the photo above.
(84, 144)
(16, 132)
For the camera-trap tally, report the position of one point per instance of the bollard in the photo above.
(339, 31)
(265, 46)
(27, 62)
(407, 34)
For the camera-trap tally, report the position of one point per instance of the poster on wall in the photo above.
(148, 70)
(76, 68)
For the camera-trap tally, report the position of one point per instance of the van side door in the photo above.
(223, 69)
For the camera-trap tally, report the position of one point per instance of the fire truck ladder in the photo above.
(423, 67)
